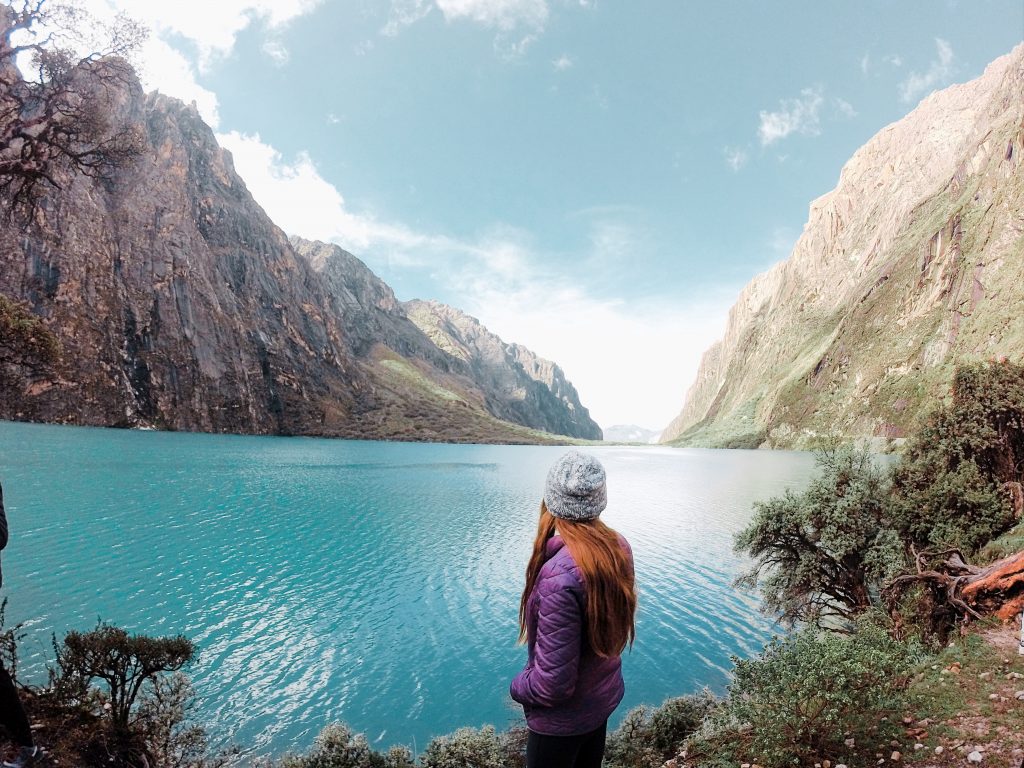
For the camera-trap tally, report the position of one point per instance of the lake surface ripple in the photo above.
(374, 583)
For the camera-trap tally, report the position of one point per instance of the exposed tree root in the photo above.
(970, 590)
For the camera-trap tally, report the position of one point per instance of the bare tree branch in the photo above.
(62, 120)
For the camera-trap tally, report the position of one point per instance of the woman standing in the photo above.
(576, 616)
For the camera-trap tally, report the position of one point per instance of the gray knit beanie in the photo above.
(576, 488)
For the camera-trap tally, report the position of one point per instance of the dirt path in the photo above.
(981, 684)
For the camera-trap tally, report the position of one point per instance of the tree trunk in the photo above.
(968, 590)
(997, 589)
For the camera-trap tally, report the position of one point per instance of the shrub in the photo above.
(127, 664)
(806, 694)
(467, 748)
(953, 487)
(164, 722)
(140, 716)
(9, 643)
(942, 506)
(24, 338)
(821, 556)
(338, 747)
(648, 737)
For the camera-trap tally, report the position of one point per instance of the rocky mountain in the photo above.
(630, 433)
(518, 384)
(178, 304)
(914, 262)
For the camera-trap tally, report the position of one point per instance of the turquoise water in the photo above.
(375, 583)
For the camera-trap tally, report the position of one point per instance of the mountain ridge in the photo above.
(910, 265)
(180, 305)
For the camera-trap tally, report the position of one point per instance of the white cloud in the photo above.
(498, 14)
(735, 158)
(517, 23)
(510, 45)
(302, 202)
(610, 349)
(868, 64)
(798, 115)
(562, 63)
(165, 69)
(277, 52)
(503, 280)
(212, 26)
(939, 72)
(404, 13)
(843, 107)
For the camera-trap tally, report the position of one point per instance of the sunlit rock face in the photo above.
(913, 263)
(518, 385)
(179, 304)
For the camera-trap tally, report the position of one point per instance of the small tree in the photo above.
(25, 342)
(821, 556)
(61, 118)
(127, 664)
(961, 473)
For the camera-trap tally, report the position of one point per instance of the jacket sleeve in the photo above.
(551, 678)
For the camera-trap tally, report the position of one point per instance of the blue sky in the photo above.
(594, 179)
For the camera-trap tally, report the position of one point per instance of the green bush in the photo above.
(953, 485)
(648, 737)
(24, 338)
(822, 556)
(467, 748)
(939, 506)
(805, 695)
(338, 747)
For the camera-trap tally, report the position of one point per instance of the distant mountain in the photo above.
(518, 386)
(179, 305)
(913, 263)
(630, 433)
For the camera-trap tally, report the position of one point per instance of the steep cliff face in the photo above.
(453, 351)
(914, 262)
(176, 300)
(518, 385)
(179, 304)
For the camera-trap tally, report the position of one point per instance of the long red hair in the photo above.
(607, 574)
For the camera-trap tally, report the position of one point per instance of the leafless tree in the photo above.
(61, 72)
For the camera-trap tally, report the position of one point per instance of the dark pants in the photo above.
(12, 715)
(584, 751)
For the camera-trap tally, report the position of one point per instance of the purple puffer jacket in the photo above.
(566, 689)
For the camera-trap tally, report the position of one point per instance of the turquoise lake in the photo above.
(370, 582)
